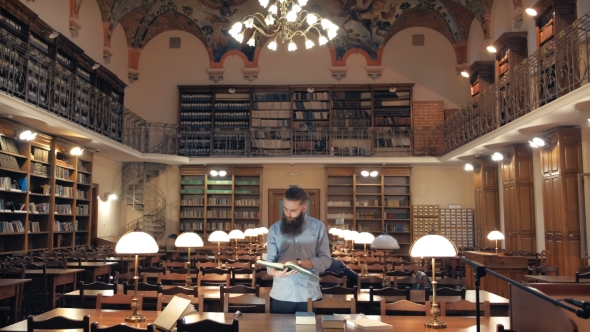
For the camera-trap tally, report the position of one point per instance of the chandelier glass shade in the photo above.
(285, 20)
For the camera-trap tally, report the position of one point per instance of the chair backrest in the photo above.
(239, 265)
(168, 265)
(207, 325)
(58, 323)
(195, 300)
(242, 272)
(118, 299)
(398, 273)
(213, 280)
(463, 305)
(583, 269)
(180, 290)
(152, 269)
(414, 267)
(56, 264)
(545, 258)
(331, 303)
(376, 267)
(245, 303)
(582, 276)
(121, 328)
(451, 283)
(366, 282)
(246, 258)
(171, 278)
(388, 291)
(239, 289)
(545, 269)
(405, 306)
(339, 290)
(142, 286)
(205, 265)
(407, 281)
(11, 272)
(330, 279)
(445, 291)
(128, 277)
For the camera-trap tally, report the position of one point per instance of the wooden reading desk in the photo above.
(12, 289)
(262, 322)
(556, 279)
(93, 269)
(55, 277)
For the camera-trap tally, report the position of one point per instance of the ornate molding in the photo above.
(477, 165)
(550, 141)
(132, 75)
(74, 27)
(508, 154)
(251, 73)
(374, 72)
(338, 72)
(106, 55)
(216, 74)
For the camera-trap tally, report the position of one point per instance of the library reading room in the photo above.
(294, 165)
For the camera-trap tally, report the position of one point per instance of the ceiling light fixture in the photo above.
(26, 135)
(537, 142)
(464, 74)
(285, 20)
(497, 156)
(76, 151)
(222, 173)
(365, 173)
(492, 49)
(468, 167)
(374, 174)
(213, 172)
(531, 11)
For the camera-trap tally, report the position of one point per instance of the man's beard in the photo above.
(292, 227)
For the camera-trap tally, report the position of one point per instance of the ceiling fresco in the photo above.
(365, 25)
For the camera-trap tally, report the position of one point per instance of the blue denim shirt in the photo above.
(311, 244)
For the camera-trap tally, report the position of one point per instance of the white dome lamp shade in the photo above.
(188, 240)
(364, 238)
(218, 237)
(236, 234)
(434, 246)
(385, 242)
(350, 236)
(496, 235)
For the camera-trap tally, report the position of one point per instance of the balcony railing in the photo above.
(560, 66)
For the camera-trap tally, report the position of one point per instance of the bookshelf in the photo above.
(512, 49)
(370, 204)
(196, 122)
(210, 203)
(553, 16)
(481, 76)
(45, 193)
(311, 108)
(231, 120)
(271, 121)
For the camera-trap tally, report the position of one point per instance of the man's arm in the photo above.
(272, 255)
(322, 260)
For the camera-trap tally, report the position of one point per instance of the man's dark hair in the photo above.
(296, 194)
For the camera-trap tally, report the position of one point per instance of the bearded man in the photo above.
(302, 240)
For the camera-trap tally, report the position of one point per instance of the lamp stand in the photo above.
(434, 323)
(188, 275)
(496, 247)
(218, 255)
(135, 317)
(236, 249)
(365, 268)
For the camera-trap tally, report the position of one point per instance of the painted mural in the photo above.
(364, 24)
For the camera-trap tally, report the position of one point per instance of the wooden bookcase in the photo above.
(512, 49)
(45, 193)
(271, 116)
(231, 119)
(370, 204)
(481, 76)
(553, 16)
(209, 203)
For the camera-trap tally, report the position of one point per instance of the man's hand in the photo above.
(285, 272)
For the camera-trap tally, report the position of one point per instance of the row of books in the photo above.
(83, 178)
(233, 106)
(271, 114)
(247, 202)
(392, 215)
(387, 94)
(81, 194)
(339, 203)
(307, 105)
(192, 214)
(272, 105)
(206, 106)
(351, 103)
(352, 113)
(390, 120)
(193, 201)
(197, 124)
(394, 228)
(11, 206)
(219, 201)
(7, 183)
(232, 115)
(81, 166)
(63, 208)
(271, 144)
(82, 210)
(351, 95)
(64, 191)
(40, 154)
(62, 173)
(39, 208)
(340, 215)
(218, 226)
(219, 214)
(39, 169)
(65, 226)
(11, 227)
(311, 96)
(271, 123)
(231, 124)
(195, 226)
(351, 123)
(63, 163)
(196, 97)
(246, 214)
(271, 97)
(35, 228)
(8, 145)
(9, 162)
(311, 115)
(195, 116)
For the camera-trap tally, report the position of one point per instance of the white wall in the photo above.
(442, 185)
(538, 191)
(476, 46)
(107, 174)
(501, 18)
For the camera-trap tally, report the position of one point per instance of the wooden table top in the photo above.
(90, 264)
(555, 279)
(124, 259)
(159, 254)
(264, 322)
(53, 272)
(10, 282)
(212, 293)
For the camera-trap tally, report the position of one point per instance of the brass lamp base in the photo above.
(135, 317)
(435, 324)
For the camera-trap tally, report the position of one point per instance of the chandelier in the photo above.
(285, 20)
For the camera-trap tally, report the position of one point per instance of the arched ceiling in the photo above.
(364, 24)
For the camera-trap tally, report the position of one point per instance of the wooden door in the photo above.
(275, 206)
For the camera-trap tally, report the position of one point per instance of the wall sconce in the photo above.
(53, 34)
(76, 151)
(531, 11)
(491, 49)
(468, 167)
(497, 156)
(231, 90)
(26, 135)
(108, 196)
(537, 142)
(392, 89)
(310, 90)
(372, 174)
(216, 173)
(95, 66)
(465, 74)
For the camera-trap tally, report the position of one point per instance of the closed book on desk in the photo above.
(304, 318)
(333, 322)
(369, 324)
(173, 311)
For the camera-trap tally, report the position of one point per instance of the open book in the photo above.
(288, 266)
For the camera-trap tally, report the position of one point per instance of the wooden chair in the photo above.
(207, 325)
(375, 267)
(582, 276)
(206, 265)
(238, 265)
(388, 291)
(120, 278)
(165, 299)
(99, 285)
(463, 305)
(37, 292)
(543, 270)
(58, 323)
(243, 276)
(404, 306)
(244, 305)
(168, 265)
(172, 278)
(445, 291)
(121, 328)
(407, 281)
(118, 300)
(11, 272)
(141, 287)
(545, 258)
(213, 279)
(331, 303)
(368, 282)
(451, 283)
(247, 258)
(413, 267)
(339, 290)
(330, 279)
(398, 273)
(151, 269)
(181, 290)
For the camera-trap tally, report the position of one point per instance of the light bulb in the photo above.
(374, 174)
(296, 8)
(239, 37)
(249, 23)
(537, 142)
(272, 45)
(365, 173)
(323, 40)
(464, 74)
(291, 16)
(492, 49)
(213, 172)
(302, 3)
(333, 27)
(76, 151)
(326, 23)
(269, 20)
(332, 34)
(112, 197)
(531, 11)
(263, 3)
(292, 46)
(252, 42)
(272, 9)
(309, 44)
(468, 167)
(312, 19)
(237, 26)
(222, 173)
(497, 156)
